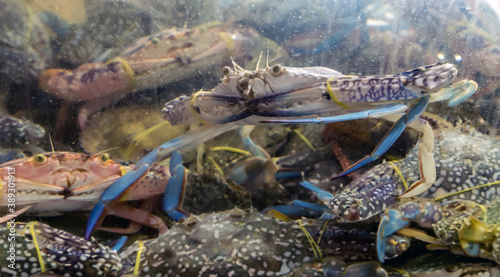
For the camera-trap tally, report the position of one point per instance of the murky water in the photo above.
(89, 88)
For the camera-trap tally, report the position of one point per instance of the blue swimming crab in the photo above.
(311, 95)
(234, 242)
(30, 248)
(466, 165)
(246, 243)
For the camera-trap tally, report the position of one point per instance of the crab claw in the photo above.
(472, 235)
(456, 93)
(390, 223)
(425, 213)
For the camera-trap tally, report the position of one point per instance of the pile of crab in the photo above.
(228, 211)
(256, 175)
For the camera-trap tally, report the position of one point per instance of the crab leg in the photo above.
(8, 217)
(174, 193)
(111, 194)
(387, 142)
(391, 137)
(375, 113)
(138, 217)
(194, 137)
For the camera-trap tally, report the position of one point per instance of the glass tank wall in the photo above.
(244, 138)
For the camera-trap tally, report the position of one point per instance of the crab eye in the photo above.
(155, 40)
(276, 69)
(226, 70)
(40, 159)
(242, 85)
(104, 157)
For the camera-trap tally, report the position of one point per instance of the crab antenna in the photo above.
(105, 150)
(258, 62)
(267, 58)
(52, 146)
(237, 66)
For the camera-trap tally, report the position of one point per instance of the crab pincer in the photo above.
(423, 212)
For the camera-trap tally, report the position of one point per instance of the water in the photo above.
(93, 77)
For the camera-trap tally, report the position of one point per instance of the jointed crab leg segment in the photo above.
(391, 137)
(300, 208)
(427, 164)
(375, 113)
(112, 193)
(174, 193)
(193, 137)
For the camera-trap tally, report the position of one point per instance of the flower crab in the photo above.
(466, 164)
(308, 95)
(462, 226)
(46, 251)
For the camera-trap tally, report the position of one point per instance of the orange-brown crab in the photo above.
(68, 181)
(168, 56)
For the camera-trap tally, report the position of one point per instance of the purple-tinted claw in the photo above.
(390, 223)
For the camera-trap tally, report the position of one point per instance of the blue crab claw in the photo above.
(174, 193)
(112, 193)
(390, 223)
(472, 235)
(421, 211)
